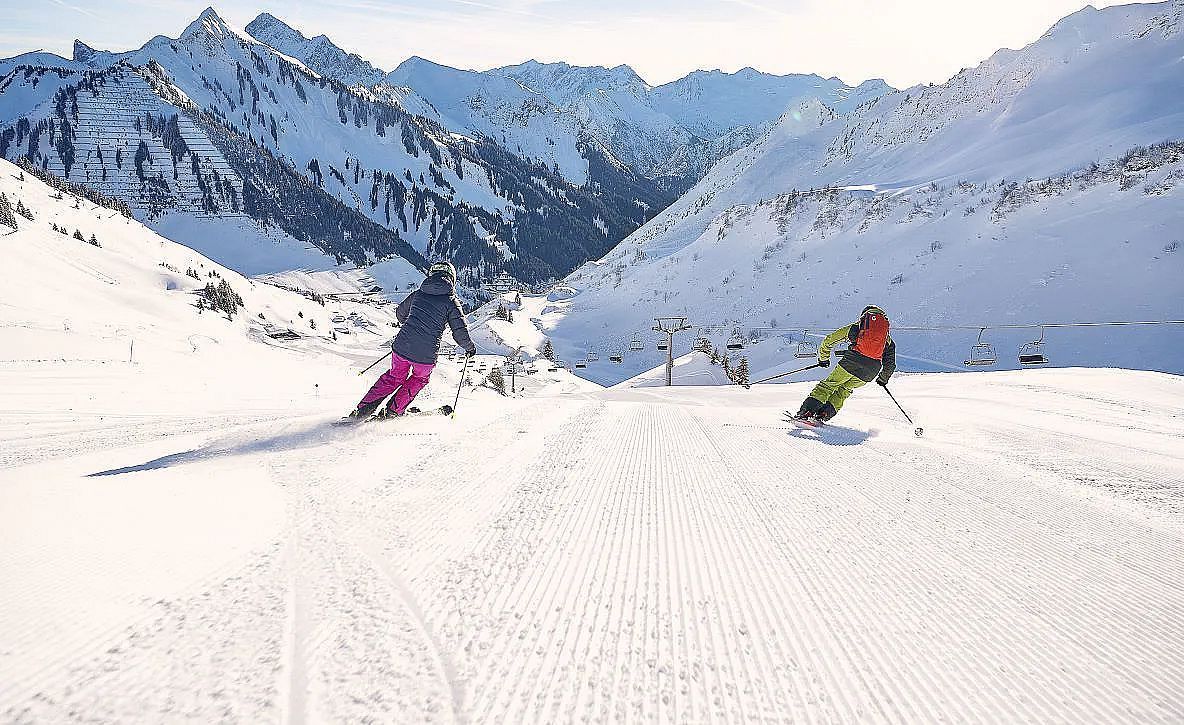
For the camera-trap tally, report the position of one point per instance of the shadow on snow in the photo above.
(832, 435)
(293, 440)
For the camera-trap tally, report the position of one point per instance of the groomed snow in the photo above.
(626, 555)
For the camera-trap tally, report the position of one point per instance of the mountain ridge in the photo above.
(260, 112)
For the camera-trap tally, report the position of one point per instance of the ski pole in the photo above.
(782, 375)
(918, 431)
(384, 357)
(463, 372)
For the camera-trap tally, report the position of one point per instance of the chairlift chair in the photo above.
(736, 342)
(581, 365)
(614, 358)
(593, 357)
(982, 353)
(663, 346)
(806, 348)
(635, 344)
(1032, 353)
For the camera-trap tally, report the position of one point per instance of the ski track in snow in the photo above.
(634, 557)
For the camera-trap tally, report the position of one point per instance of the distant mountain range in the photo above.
(673, 132)
(269, 150)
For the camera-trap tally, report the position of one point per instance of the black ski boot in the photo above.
(362, 412)
(809, 409)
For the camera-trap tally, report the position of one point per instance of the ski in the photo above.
(414, 413)
(803, 423)
(384, 416)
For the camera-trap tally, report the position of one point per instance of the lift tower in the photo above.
(669, 326)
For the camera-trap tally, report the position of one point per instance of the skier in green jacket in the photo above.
(870, 356)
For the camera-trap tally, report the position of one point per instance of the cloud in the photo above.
(75, 8)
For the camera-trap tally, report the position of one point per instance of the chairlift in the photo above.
(703, 343)
(806, 348)
(614, 358)
(1032, 353)
(981, 353)
(581, 365)
(593, 357)
(663, 346)
(635, 344)
(736, 342)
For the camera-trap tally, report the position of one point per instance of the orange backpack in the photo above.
(871, 334)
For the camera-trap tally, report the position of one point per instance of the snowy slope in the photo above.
(1026, 190)
(501, 567)
(128, 308)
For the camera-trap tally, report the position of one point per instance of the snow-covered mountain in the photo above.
(522, 121)
(227, 145)
(319, 54)
(713, 103)
(1035, 187)
(545, 111)
(677, 131)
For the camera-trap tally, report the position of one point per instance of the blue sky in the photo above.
(903, 41)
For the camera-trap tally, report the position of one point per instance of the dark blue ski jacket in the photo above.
(423, 316)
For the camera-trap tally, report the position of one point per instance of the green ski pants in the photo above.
(836, 388)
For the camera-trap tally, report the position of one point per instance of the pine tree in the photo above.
(7, 216)
(496, 380)
(549, 351)
(727, 365)
(23, 210)
(222, 297)
(93, 241)
(740, 376)
(78, 235)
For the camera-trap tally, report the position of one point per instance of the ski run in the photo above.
(632, 554)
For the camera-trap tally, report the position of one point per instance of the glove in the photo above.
(471, 352)
(882, 382)
(823, 363)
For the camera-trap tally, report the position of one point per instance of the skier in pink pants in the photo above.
(423, 316)
(405, 379)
